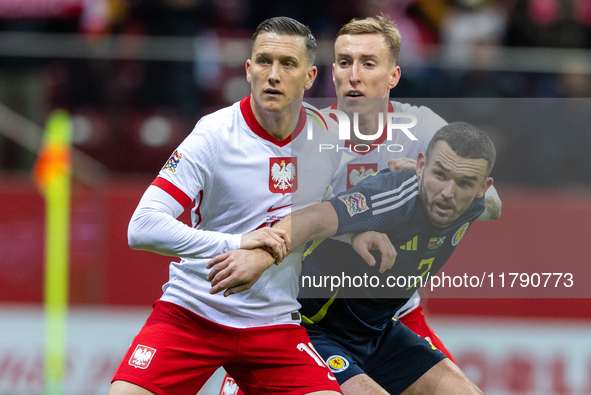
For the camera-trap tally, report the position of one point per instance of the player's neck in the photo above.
(279, 124)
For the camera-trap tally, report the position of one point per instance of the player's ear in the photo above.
(247, 67)
(333, 80)
(394, 77)
(312, 72)
(487, 184)
(421, 161)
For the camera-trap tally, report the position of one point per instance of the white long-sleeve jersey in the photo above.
(238, 178)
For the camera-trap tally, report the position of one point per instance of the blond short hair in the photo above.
(382, 25)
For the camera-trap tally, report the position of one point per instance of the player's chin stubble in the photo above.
(433, 218)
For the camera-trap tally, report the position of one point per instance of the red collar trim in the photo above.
(257, 129)
(378, 141)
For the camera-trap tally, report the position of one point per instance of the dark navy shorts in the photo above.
(395, 359)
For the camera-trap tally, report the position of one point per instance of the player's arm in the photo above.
(321, 221)
(316, 222)
(154, 227)
(237, 271)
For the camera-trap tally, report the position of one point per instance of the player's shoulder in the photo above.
(209, 133)
(217, 120)
(416, 110)
(391, 193)
(428, 122)
(386, 181)
(397, 179)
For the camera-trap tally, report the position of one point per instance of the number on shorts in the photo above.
(309, 348)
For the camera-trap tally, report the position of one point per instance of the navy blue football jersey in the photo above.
(365, 300)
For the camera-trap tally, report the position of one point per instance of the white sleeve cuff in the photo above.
(234, 242)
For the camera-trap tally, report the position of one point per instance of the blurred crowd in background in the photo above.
(129, 114)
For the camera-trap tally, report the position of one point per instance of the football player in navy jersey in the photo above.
(364, 73)
(429, 211)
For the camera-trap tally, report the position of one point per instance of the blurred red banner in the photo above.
(40, 9)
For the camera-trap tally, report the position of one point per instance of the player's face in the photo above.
(363, 69)
(278, 71)
(449, 183)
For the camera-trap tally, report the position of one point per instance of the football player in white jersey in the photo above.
(238, 169)
(365, 70)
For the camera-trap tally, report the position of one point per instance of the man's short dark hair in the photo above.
(290, 27)
(467, 141)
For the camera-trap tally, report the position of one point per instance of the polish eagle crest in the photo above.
(357, 175)
(142, 356)
(283, 176)
(230, 387)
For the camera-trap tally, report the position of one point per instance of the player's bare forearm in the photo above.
(275, 241)
(316, 222)
(492, 206)
(321, 221)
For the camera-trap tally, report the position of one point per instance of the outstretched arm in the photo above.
(316, 222)
(154, 227)
(237, 271)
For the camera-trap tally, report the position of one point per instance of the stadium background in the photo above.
(137, 74)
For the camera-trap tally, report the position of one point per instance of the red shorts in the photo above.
(177, 351)
(415, 321)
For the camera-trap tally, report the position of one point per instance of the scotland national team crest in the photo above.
(355, 203)
(357, 172)
(283, 177)
(460, 234)
(229, 387)
(142, 356)
(337, 364)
